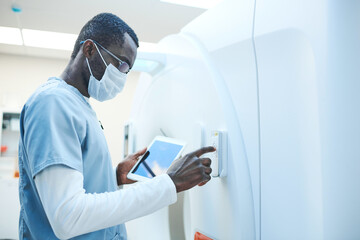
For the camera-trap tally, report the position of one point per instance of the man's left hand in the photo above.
(126, 165)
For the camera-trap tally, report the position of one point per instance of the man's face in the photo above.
(126, 53)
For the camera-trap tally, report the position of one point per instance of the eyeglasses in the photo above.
(123, 66)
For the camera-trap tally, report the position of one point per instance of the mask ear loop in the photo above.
(87, 61)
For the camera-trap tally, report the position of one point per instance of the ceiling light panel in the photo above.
(45, 39)
(10, 36)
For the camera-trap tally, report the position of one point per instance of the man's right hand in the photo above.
(191, 170)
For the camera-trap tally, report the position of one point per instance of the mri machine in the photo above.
(278, 80)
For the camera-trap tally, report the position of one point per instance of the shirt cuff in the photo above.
(118, 186)
(169, 184)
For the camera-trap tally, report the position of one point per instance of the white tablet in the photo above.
(158, 158)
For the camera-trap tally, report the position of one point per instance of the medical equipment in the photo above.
(280, 78)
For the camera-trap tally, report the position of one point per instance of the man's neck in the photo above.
(73, 76)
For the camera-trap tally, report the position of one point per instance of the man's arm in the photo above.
(72, 212)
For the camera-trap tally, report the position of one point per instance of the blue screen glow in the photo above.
(158, 160)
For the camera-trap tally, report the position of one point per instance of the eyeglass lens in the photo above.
(124, 67)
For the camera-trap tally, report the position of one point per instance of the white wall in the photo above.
(20, 76)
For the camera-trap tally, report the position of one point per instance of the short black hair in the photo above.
(106, 29)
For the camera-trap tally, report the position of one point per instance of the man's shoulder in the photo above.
(52, 90)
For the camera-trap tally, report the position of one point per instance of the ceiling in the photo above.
(151, 19)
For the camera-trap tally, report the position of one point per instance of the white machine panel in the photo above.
(308, 89)
(219, 157)
(215, 156)
(196, 92)
(275, 77)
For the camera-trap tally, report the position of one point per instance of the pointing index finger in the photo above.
(203, 150)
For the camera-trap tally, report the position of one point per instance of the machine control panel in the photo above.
(219, 157)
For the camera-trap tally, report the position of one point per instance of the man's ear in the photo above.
(88, 48)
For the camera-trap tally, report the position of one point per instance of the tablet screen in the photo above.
(157, 159)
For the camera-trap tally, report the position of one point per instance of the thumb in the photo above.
(202, 183)
(139, 153)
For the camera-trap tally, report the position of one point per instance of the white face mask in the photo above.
(111, 83)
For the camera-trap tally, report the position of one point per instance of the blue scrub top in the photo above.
(58, 126)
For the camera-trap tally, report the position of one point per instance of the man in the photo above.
(67, 185)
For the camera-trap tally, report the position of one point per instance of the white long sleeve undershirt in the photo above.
(72, 212)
